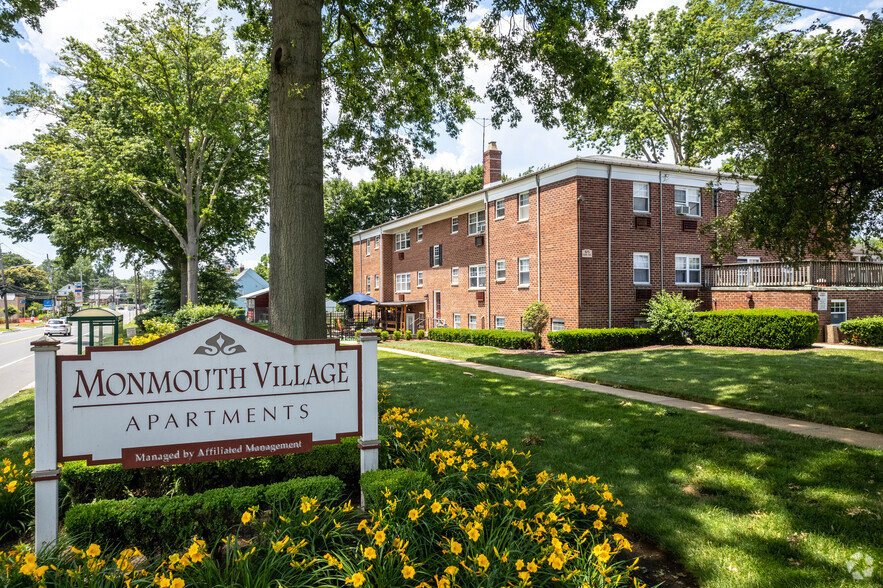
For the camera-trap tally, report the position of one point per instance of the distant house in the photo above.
(257, 305)
(247, 282)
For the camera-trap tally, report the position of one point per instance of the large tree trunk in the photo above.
(192, 272)
(182, 266)
(297, 251)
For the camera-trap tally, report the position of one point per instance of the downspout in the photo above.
(609, 246)
(487, 262)
(579, 259)
(360, 283)
(661, 250)
(539, 255)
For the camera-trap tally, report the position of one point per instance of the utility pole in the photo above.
(3, 289)
(51, 286)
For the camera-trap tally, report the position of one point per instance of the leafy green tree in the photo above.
(216, 286)
(535, 319)
(672, 71)
(364, 82)
(31, 281)
(14, 259)
(808, 121)
(263, 267)
(162, 118)
(28, 11)
(351, 208)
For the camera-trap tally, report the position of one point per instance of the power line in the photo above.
(859, 17)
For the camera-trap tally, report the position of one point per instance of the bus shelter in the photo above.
(97, 327)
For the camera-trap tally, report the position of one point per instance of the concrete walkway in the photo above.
(841, 434)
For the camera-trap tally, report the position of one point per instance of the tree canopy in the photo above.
(158, 148)
(13, 259)
(365, 82)
(808, 122)
(672, 71)
(28, 11)
(216, 286)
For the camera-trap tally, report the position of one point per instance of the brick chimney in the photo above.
(492, 164)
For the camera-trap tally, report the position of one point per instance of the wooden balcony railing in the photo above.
(804, 273)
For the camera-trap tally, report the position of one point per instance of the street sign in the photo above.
(47, 304)
(78, 294)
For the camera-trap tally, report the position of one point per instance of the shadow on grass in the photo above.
(836, 387)
(719, 503)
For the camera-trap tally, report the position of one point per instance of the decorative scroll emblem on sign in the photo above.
(220, 343)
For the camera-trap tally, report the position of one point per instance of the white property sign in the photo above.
(220, 389)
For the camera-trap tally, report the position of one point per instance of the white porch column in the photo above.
(46, 472)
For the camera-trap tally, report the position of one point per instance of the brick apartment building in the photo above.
(604, 234)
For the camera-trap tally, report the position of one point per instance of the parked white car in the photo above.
(58, 326)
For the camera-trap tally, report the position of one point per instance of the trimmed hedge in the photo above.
(490, 337)
(576, 340)
(766, 328)
(399, 481)
(168, 522)
(87, 483)
(864, 331)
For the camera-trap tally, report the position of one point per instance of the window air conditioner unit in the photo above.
(401, 255)
(682, 210)
(479, 296)
(401, 297)
(479, 241)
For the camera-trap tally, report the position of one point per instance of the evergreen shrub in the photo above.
(384, 335)
(170, 521)
(576, 340)
(398, 481)
(191, 314)
(421, 333)
(864, 331)
(765, 328)
(492, 337)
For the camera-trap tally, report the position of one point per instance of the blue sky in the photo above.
(28, 60)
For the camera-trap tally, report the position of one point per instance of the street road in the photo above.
(17, 359)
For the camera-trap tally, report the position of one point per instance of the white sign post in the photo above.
(220, 389)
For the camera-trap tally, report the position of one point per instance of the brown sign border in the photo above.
(87, 355)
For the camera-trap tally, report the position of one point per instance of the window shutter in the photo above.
(439, 256)
(431, 256)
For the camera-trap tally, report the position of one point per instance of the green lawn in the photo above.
(829, 386)
(738, 505)
(16, 425)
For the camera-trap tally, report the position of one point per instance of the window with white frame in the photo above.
(455, 224)
(557, 324)
(641, 197)
(501, 270)
(499, 322)
(377, 281)
(419, 234)
(476, 222)
(742, 273)
(500, 208)
(435, 256)
(455, 276)
(523, 206)
(688, 269)
(473, 321)
(376, 242)
(368, 248)
(367, 283)
(403, 241)
(477, 276)
(688, 199)
(838, 311)
(419, 279)
(403, 282)
(641, 268)
(524, 271)
(456, 320)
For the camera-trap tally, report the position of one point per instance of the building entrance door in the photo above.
(409, 322)
(436, 309)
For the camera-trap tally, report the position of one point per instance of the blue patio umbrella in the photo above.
(357, 298)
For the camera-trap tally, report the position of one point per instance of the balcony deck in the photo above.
(853, 274)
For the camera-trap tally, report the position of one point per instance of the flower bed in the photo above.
(458, 510)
